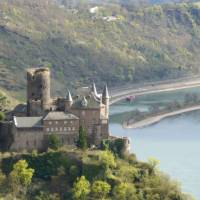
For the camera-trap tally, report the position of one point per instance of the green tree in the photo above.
(107, 159)
(47, 196)
(2, 116)
(54, 142)
(20, 177)
(82, 139)
(153, 163)
(2, 178)
(124, 191)
(74, 172)
(81, 188)
(100, 189)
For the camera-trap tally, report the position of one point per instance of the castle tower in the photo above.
(68, 101)
(105, 100)
(38, 90)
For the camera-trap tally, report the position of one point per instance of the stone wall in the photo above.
(67, 126)
(28, 139)
(6, 135)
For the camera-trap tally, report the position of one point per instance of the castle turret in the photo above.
(38, 90)
(68, 101)
(105, 100)
(94, 90)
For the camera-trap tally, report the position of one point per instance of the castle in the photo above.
(30, 125)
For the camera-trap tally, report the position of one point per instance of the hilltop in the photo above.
(56, 176)
(114, 45)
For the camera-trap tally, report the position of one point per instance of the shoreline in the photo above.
(155, 119)
(152, 88)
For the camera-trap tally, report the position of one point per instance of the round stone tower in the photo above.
(38, 90)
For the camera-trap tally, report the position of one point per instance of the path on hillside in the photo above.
(118, 94)
(154, 119)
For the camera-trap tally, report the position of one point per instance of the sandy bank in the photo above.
(152, 120)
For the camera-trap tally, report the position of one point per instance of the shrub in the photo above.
(100, 189)
(74, 172)
(2, 116)
(124, 191)
(107, 159)
(81, 188)
(54, 142)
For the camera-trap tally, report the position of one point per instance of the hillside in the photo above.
(7, 102)
(112, 45)
(56, 176)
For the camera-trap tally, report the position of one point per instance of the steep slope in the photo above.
(7, 102)
(112, 45)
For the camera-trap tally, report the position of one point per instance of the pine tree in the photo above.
(82, 140)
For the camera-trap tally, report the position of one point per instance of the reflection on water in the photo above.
(174, 141)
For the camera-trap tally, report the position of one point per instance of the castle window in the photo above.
(47, 129)
(52, 129)
(50, 122)
(71, 122)
(56, 129)
(73, 128)
(65, 128)
(65, 122)
(60, 128)
(56, 122)
(69, 128)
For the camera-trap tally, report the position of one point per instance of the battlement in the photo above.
(33, 71)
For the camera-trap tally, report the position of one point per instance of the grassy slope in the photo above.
(7, 101)
(54, 174)
(144, 44)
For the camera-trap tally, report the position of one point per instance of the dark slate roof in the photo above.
(21, 108)
(56, 115)
(91, 102)
(28, 122)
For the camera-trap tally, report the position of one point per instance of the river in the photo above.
(174, 141)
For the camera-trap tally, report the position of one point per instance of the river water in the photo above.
(174, 141)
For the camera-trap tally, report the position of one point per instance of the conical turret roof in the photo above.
(105, 93)
(69, 96)
(94, 89)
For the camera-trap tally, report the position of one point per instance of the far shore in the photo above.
(155, 119)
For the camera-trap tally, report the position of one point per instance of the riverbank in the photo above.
(155, 119)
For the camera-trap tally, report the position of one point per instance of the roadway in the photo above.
(118, 94)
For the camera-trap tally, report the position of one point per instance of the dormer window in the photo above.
(84, 102)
